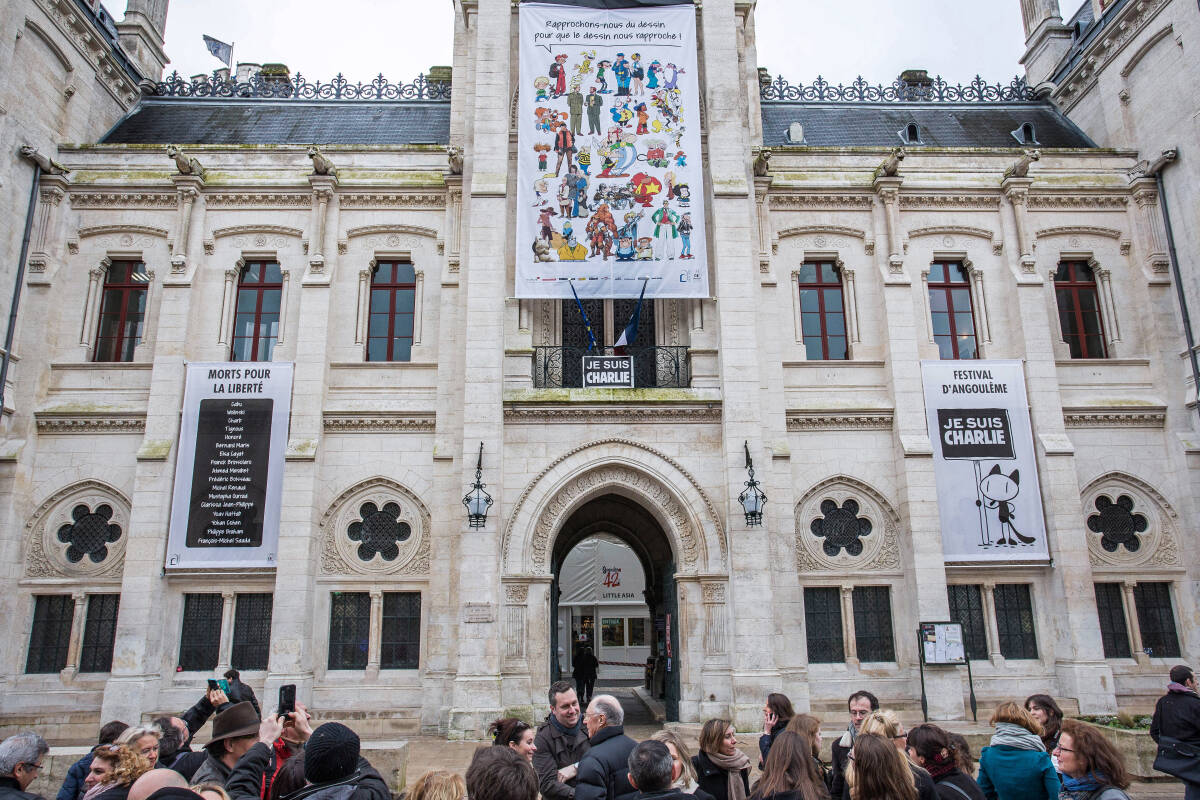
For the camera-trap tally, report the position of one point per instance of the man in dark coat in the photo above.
(335, 770)
(561, 741)
(1177, 716)
(652, 771)
(584, 668)
(21, 757)
(861, 703)
(235, 730)
(604, 771)
(239, 692)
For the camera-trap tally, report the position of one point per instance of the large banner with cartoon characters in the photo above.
(983, 462)
(609, 193)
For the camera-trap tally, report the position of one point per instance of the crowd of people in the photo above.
(584, 754)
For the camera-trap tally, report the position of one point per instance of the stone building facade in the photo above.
(456, 627)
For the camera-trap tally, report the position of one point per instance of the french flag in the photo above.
(629, 335)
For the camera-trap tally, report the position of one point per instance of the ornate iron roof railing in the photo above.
(282, 87)
(933, 90)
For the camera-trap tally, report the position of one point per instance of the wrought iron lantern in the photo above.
(477, 500)
(752, 499)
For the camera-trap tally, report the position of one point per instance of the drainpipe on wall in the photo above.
(1155, 170)
(16, 297)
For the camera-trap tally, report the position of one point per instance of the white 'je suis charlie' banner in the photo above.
(609, 183)
(984, 464)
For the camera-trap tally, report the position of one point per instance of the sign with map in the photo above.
(609, 182)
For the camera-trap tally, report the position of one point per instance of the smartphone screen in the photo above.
(223, 685)
(287, 699)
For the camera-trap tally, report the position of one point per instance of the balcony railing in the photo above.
(665, 367)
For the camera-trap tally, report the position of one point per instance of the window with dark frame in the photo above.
(50, 636)
(1114, 634)
(349, 629)
(256, 314)
(122, 312)
(400, 645)
(966, 608)
(873, 623)
(99, 633)
(823, 624)
(1014, 621)
(200, 637)
(822, 312)
(1156, 619)
(1079, 310)
(392, 312)
(952, 311)
(252, 631)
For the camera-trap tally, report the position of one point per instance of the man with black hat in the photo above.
(335, 770)
(235, 730)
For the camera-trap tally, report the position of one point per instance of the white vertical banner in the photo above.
(609, 182)
(989, 498)
(229, 470)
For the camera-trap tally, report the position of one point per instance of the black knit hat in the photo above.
(331, 753)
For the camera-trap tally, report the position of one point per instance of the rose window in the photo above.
(89, 534)
(1117, 524)
(841, 527)
(378, 531)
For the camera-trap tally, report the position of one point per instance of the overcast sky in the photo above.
(800, 40)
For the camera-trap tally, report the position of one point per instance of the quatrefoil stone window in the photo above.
(378, 531)
(841, 528)
(1117, 524)
(90, 533)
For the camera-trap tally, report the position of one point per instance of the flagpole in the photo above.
(587, 325)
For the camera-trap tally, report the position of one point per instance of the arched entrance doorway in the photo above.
(625, 520)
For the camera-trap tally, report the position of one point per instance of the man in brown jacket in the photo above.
(561, 741)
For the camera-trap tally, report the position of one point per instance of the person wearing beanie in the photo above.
(335, 769)
(279, 740)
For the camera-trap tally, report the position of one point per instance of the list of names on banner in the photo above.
(229, 482)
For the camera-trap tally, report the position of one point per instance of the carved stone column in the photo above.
(228, 300)
(454, 203)
(1108, 306)
(989, 621)
(323, 187)
(1016, 190)
(849, 643)
(75, 644)
(715, 619)
(364, 297)
(225, 651)
(375, 636)
(979, 298)
(52, 190)
(851, 302)
(888, 190)
(1153, 241)
(188, 189)
(91, 305)
(1131, 622)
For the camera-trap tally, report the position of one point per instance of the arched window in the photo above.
(1024, 134)
(393, 299)
(952, 313)
(822, 313)
(911, 133)
(1079, 309)
(122, 311)
(256, 318)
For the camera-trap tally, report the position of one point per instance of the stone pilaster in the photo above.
(188, 188)
(476, 692)
(1016, 191)
(52, 189)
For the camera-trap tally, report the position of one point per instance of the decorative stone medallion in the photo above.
(375, 527)
(1116, 523)
(1129, 524)
(90, 533)
(843, 524)
(841, 528)
(379, 531)
(79, 531)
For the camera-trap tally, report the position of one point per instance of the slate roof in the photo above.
(942, 124)
(161, 120)
(1086, 29)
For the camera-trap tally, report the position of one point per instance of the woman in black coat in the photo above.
(777, 713)
(930, 747)
(721, 769)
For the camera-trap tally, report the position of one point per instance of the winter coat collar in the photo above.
(606, 733)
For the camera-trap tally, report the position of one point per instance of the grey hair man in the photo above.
(652, 771)
(20, 762)
(604, 771)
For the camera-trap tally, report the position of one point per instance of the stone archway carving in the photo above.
(665, 489)
(1150, 544)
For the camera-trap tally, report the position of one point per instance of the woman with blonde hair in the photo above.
(809, 727)
(876, 770)
(438, 785)
(887, 725)
(721, 769)
(1091, 766)
(114, 769)
(681, 755)
(789, 772)
(1016, 766)
(211, 791)
(144, 739)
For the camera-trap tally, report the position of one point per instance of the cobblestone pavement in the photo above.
(427, 752)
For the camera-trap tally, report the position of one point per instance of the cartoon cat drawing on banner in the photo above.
(996, 491)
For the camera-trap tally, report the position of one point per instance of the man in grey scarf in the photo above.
(861, 703)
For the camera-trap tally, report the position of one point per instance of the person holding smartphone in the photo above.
(280, 736)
